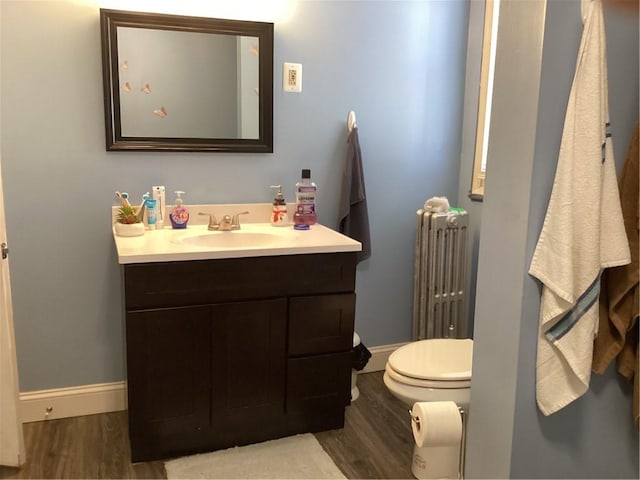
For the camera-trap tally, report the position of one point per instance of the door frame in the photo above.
(12, 449)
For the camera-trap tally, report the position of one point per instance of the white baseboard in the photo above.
(73, 401)
(110, 397)
(379, 356)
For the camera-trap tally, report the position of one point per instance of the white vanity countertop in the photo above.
(254, 239)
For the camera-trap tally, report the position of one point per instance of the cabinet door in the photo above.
(248, 369)
(169, 371)
(321, 324)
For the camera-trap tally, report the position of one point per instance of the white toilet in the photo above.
(437, 369)
(433, 370)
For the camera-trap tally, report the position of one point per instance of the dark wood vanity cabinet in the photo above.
(235, 351)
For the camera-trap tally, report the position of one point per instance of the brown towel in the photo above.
(619, 303)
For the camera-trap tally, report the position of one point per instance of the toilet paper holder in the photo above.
(416, 420)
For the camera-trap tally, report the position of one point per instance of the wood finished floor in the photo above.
(376, 442)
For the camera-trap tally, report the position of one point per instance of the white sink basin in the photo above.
(231, 239)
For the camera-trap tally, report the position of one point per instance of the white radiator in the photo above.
(440, 275)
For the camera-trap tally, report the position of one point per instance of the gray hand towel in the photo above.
(354, 218)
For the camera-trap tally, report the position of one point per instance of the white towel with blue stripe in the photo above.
(583, 231)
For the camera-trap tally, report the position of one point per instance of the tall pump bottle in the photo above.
(158, 196)
(305, 214)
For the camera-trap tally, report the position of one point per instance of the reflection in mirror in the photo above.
(187, 83)
(203, 103)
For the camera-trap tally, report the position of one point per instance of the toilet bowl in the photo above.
(433, 370)
(437, 369)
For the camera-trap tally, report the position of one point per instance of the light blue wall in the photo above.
(501, 267)
(593, 437)
(399, 65)
(508, 438)
(468, 147)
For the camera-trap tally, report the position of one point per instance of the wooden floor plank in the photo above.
(376, 442)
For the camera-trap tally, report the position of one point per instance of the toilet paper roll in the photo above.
(436, 424)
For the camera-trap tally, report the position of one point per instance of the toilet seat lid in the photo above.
(434, 359)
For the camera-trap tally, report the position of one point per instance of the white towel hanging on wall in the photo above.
(583, 230)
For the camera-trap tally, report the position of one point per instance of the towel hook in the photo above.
(351, 120)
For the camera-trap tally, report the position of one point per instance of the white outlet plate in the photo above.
(292, 77)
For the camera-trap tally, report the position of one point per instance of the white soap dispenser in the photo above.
(279, 217)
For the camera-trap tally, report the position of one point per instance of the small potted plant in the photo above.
(128, 222)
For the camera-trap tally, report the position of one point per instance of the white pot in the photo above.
(129, 229)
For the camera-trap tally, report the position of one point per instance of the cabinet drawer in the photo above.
(318, 384)
(165, 284)
(321, 324)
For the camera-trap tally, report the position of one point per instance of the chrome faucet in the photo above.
(227, 223)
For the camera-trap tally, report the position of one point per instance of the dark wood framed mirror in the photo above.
(179, 83)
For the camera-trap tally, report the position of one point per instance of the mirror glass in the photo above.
(180, 83)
